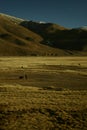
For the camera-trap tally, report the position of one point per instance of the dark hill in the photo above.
(59, 37)
(21, 38)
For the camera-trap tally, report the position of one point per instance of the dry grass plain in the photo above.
(43, 93)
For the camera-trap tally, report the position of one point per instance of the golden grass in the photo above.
(29, 61)
(35, 107)
(31, 108)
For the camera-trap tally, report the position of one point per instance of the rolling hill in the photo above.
(19, 37)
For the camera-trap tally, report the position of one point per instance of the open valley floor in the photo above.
(43, 93)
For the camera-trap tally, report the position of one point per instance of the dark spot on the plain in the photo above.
(23, 76)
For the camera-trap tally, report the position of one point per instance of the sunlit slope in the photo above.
(17, 40)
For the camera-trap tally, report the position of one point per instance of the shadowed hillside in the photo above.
(20, 38)
(59, 37)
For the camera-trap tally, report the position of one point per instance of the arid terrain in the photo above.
(43, 93)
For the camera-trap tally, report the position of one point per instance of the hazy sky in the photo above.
(68, 13)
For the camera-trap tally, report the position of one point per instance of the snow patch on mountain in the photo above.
(84, 27)
(12, 18)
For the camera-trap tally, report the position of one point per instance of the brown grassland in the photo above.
(43, 93)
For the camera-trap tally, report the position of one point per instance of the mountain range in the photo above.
(19, 37)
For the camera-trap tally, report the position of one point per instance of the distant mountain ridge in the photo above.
(19, 37)
(83, 28)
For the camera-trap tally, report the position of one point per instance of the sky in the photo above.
(67, 13)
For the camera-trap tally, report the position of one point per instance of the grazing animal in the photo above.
(79, 64)
(22, 67)
(23, 77)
